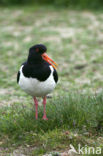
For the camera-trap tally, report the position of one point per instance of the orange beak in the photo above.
(49, 60)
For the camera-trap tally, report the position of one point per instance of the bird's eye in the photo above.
(37, 49)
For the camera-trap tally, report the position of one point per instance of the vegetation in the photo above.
(67, 115)
(63, 3)
(74, 39)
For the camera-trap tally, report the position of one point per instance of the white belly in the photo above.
(36, 88)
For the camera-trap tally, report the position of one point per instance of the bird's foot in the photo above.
(45, 118)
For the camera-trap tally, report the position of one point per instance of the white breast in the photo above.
(36, 88)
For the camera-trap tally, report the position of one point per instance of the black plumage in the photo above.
(55, 75)
(18, 76)
(39, 71)
(35, 66)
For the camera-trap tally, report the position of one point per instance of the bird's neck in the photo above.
(35, 60)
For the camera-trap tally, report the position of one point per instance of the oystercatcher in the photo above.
(38, 76)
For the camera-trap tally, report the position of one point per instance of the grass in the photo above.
(67, 117)
(71, 111)
(74, 40)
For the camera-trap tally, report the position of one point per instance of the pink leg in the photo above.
(36, 108)
(44, 105)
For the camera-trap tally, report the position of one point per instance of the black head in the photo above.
(35, 53)
(40, 48)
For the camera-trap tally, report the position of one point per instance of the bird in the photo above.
(38, 76)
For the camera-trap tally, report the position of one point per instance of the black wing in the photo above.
(18, 76)
(55, 76)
